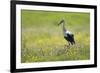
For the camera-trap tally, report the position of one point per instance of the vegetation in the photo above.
(42, 39)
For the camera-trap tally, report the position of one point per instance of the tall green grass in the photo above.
(42, 39)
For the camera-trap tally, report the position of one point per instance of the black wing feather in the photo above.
(70, 38)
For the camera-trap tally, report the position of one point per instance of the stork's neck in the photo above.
(63, 27)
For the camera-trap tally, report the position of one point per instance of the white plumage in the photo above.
(67, 32)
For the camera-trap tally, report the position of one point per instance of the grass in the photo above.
(42, 39)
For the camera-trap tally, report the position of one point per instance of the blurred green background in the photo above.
(42, 39)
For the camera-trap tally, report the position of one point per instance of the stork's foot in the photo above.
(66, 46)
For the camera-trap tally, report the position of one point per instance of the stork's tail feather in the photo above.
(72, 43)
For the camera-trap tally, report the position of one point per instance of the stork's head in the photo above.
(62, 21)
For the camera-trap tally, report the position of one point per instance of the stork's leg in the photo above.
(68, 44)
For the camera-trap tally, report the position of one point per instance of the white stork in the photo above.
(67, 34)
